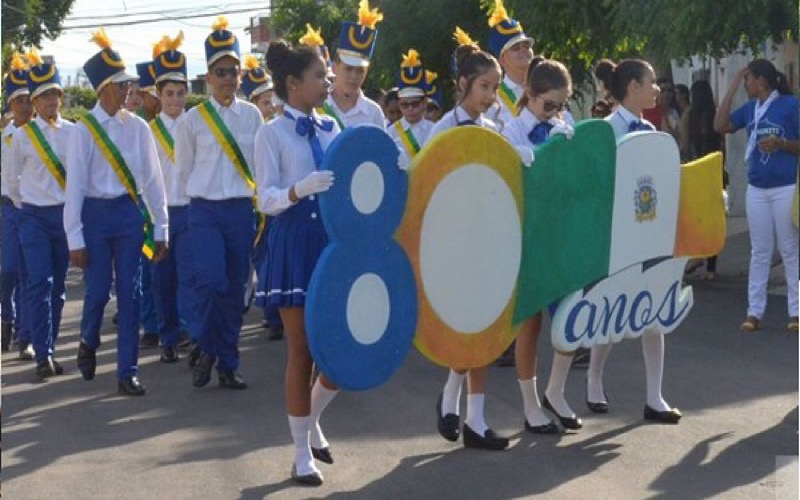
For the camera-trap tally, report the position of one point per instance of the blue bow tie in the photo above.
(637, 125)
(540, 133)
(306, 126)
(465, 122)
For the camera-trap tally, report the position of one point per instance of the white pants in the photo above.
(768, 216)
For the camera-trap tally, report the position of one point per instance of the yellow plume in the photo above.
(101, 39)
(18, 63)
(411, 60)
(430, 76)
(312, 38)
(367, 17)
(499, 15)
(251, 62)
(220, 24)
(173, 43)
(463, 38)
(160, 47)
(34, 58)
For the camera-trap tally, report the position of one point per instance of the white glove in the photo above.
(726, 201)
(562, 128)
(526, 155)
(316, 182)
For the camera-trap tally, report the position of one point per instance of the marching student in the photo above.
(172, 278)
(433, 110)
(257, 87)
(214, 152)
(115, 209)
(12, 289)
(547, 90)
(346, 103)
(633, 87)
(36, 185)
(289, 153)
(411, 131)
(478, 77)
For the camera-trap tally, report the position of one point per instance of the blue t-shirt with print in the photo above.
(781, 120)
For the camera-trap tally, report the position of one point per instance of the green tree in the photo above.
(28, 22)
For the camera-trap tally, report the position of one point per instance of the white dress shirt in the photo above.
(200, 159)
(90, 175)
(366, 111)
(519, 128)
(284, 157)
(174, 183)
(456, 115)
(5, 157)
(621, 119)
(502, 114)
(30, 181)
(421, 130)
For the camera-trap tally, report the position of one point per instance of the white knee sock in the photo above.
(321, 396)
(558, 380)
(475, 418)
(530, 402)
(653, 350)
(594, 375)
(303, 460)
(451, 394)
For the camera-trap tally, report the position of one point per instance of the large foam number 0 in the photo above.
(361, 307)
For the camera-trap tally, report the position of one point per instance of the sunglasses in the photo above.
(553, 106)
(223, 72)
(410, 104)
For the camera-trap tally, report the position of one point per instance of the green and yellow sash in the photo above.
(46, 153)
(509, 98)
(407, 138)
(163, 136)
(328, 110)
(117, 162)
(234, 153)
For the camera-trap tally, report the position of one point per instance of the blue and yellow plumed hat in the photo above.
(221, 42)
(411, 81)
(506, 32)
(106, 66)
(357, 40)
(147, 71)
(432, 89)
(41, 76)
(313, 38)
(170, 64)
(16, 81)
(462, 38)
(255, 80)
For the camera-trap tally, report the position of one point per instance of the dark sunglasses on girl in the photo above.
(223, 72)
(410, 104)
(553, 106)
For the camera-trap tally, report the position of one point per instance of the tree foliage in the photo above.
(27, 22)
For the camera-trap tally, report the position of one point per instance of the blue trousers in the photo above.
(12, 307)
(147, 308)
(46, 255)
(222, 234)
(113, 231)
(173, 283)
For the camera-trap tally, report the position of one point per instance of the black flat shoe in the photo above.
(231, 379)
(448, 425)
(313, 479)
(548, 428)
(489, 440)
(671, 416)
(572, 423)
(58, 368)
(201, 375)
(194, 354)
(169, 354)
(601, 407)
(87, 361)
(322, 454)
(131, 386)
(45, 368)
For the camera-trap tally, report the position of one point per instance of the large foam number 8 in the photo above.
(361, 307)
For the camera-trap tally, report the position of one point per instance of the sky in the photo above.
(134, 42)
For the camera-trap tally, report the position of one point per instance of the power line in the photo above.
(157, 20)
(174, 10)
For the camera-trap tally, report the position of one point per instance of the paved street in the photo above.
(68, 438)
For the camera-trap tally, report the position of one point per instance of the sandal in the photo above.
(792, 326)
(750, 324)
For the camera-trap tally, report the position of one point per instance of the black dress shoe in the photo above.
(548, 428)
(169, 354)
(313, 479)
(184, 340)
(202, 370)
(87, 362)
(58, 368)
(489, 440)
(231, 379)
(131, 386)
(671, 416)
(597, 407)
(322, 454)
(193, 356)
(45, 368)
(448, 425)
(572, 423)
(7, 330)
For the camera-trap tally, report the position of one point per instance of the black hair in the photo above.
(163, 83)
(774, 78)
(603, 71)
(702, 137)
(284, 61)
(624, 73)
(683, 91)
(393, 94)
(472, 62)
(543, 76)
